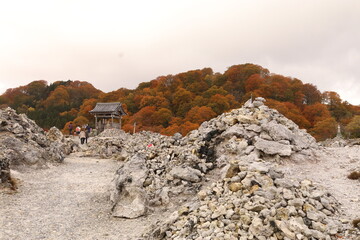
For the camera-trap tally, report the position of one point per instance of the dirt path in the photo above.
(331, 171)
(69, 201)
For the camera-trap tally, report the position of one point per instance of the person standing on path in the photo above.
(87, 132)
(82, 136)
(70, 129)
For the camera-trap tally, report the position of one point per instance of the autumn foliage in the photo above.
(181, 102)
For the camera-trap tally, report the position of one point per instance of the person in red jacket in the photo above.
(77, 129)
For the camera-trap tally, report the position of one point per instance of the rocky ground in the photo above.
(247, 174)
(67, 201)
(330, 171)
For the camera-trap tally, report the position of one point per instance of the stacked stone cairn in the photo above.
(24, 144)
(221, 180)
(254, 202)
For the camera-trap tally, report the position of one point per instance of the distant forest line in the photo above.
(181, 102)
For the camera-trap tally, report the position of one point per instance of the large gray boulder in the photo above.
(128, 197)
(278, 131)
(273, 148)
(186, 173)
(60, 145)
(55, 135)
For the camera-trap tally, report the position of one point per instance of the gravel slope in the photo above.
(330, 171)
(69, 201)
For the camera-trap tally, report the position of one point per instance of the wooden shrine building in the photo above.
(105, 113)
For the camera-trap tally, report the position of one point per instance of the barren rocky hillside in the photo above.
(247, 174)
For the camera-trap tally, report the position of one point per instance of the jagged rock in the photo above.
(285, 229)
(235, 186)
(27, 141)
(4, 171)
(186, 173)
(55, 135)
(59, 144)
(277, 131)
(273, 148)
(258, 228)
(133, 203)
(128, 197)
(232, 170)
(178, 136)
(24, 144)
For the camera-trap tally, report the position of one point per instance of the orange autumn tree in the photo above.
(186, 127)
(144, 116)
(236, 76)
(324, 129)
(162, 117)
(200, 114)
(86, 107)
(316, 112)
(80, 121)
(254, 82)
(174, 127)
(181, 101)
(58, 98)
(156, 101)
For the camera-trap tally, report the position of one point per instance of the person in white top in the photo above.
(82, 136)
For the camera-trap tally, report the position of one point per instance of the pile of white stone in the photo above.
(176, 166)
(251, 199)
(254, 201)
(23, 144)
(230, 164)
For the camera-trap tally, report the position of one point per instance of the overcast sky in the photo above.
(114, 44)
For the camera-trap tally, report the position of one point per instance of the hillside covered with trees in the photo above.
(181, 102)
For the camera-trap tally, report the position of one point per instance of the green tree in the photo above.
(353, 128)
